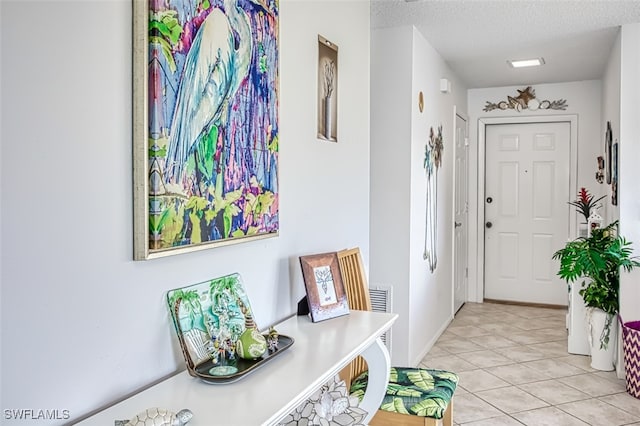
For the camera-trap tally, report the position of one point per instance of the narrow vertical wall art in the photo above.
(608, 142)
(614, 174)
(205, 124)
(327, 90)
(432, 162)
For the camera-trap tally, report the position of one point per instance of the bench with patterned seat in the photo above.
(415, 396)
(414, 391)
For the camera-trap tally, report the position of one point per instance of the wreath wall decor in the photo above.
(526, 99)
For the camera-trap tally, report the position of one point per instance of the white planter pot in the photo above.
(602, 359)
(577, 322)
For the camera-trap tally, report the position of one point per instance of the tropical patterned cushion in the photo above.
(417, 391)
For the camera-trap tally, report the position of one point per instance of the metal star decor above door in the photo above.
(526, 99)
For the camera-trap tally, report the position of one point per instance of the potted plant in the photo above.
(598, 259)
(585, 204)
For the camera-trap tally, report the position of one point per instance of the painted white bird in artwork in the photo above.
(214, 68)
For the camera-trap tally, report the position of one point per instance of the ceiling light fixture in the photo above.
(526, 63)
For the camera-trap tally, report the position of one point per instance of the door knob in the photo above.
(488, 224)
(457, 224)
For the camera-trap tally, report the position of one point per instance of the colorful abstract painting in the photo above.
(211, 148)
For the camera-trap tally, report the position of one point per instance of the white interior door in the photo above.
(527, 169)
(461, 211)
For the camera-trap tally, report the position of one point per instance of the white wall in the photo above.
(403, 64)
(620, 92)
(629, 173)
(82, 323)
(584, 101)
(431, 296)
(611, 112)
(391, 76)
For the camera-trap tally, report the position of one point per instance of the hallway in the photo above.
(514, 369)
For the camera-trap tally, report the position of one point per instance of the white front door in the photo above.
(526, 212)
(461, 211)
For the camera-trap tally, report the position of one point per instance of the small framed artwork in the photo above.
(326, 295)
(614, 174)
(608, 140)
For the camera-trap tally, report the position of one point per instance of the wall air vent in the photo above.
(381, 301)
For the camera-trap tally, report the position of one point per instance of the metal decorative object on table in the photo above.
(158, 417)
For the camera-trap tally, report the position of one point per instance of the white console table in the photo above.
(267, 395)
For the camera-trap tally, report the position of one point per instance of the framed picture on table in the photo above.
(326, 295)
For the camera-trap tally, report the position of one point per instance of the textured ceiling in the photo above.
(477, 37)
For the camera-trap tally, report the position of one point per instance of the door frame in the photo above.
(463, 116)
(573, 178)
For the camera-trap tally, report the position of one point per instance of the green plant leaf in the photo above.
(167, 24)
(166, 51)
(429, 407)
(156, 222)
(395, 389)
(173, 226)
(196, 235)
(393, 375)
(206, 150)
(209, 215)
(396, 405)
(273, 146)
(197, 203)
(598, 259)
(422, 379)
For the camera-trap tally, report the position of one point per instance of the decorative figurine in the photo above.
(600, 172)
(272, 339)
(251, 344)
(158, 417)
(213, 349)
(231, 348)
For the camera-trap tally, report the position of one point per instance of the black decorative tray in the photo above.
(243, 366)
(209, 318)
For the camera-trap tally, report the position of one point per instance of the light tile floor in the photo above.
(514, 369)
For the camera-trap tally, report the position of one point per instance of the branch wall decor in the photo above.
(526, 99)
(432, 162)
(327, 102)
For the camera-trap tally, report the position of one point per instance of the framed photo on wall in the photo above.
(608, 141)
(614, 174)
(326, 295)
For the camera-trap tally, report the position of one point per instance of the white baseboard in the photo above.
(432, 342)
